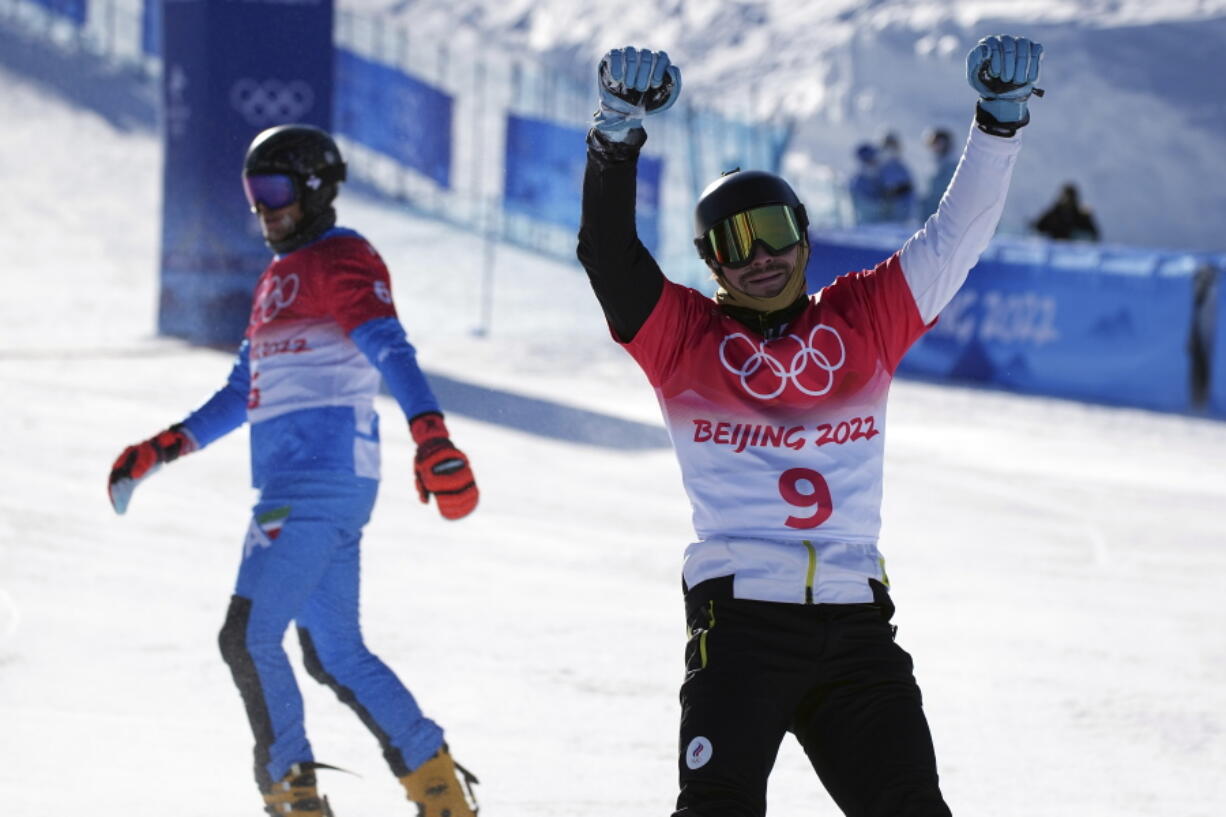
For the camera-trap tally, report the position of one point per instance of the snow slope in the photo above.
(1134, 112)
(1057, 566)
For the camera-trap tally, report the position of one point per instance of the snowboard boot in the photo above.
(295, 794)
(435, 787)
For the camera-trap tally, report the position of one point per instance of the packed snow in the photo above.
(1057, 566)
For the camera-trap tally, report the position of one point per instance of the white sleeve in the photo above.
(936, 259)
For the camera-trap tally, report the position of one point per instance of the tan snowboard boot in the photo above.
(435, 786)
(295, 794)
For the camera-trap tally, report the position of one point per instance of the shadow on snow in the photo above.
(545, 418)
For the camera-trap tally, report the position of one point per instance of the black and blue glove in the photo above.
(631, 84)
(1003, 70)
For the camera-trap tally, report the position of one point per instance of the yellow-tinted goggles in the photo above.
(731, 241)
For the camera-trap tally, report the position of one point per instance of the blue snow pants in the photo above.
(301, 563)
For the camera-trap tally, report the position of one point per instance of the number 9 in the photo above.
(818, 497)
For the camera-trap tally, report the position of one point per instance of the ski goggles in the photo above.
(274, 190)
(731, 242)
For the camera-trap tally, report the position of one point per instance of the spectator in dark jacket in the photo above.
(1200, 338)
(1067, 219)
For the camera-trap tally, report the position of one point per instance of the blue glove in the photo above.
(1003, 70)
(633, 83)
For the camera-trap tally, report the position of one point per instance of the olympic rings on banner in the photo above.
(271, 101)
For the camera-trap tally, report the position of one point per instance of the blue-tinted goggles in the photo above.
(274, 191)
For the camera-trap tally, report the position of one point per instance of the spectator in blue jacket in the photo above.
(940, 142)
(897, 188)
(867, 193)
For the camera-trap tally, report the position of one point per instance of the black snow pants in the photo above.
(830, 674)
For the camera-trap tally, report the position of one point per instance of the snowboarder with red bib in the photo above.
(775, 401)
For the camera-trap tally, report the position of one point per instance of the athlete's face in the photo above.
(278, 224)
(765, 275)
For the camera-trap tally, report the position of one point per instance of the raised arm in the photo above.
(631, 84)
(936, 260)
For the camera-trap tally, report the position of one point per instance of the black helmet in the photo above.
(310, 157)
(737, 191)
(304, 152)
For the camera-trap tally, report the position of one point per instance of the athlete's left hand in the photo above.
(441, 468)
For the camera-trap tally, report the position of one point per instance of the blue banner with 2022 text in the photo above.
(544, 177)
(1109, 325)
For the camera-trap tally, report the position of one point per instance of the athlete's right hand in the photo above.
(633, 83)
(137, 462)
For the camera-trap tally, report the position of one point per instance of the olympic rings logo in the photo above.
(760, 358)
(271, 101)
(275, 295)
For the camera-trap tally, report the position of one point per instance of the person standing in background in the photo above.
(865, 188)
(1203, 332)
(898, 190)
(1067, 219)
(940, 143)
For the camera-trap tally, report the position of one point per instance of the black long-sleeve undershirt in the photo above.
(626, 279)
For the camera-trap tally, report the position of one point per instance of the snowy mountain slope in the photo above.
(1135, 114)
(1057, 567)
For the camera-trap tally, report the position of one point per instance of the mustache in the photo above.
(771, 268)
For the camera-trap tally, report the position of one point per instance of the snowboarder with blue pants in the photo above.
(322, 333)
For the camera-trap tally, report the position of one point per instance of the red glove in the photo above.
(140, 461)
(441, 468)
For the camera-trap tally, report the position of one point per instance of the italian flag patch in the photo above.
(264, 528)
(271, 522)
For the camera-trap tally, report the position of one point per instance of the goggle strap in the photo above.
(333, 173)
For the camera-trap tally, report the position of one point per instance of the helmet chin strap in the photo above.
(792, 290)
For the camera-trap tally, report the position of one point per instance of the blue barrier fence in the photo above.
(544, 177)
(1110, 325)
(455, 170)
(517, 149)
(109, 29)
(395, 114)
(1103, 324)
(73, 10)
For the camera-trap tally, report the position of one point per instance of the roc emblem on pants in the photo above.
(698, 753)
